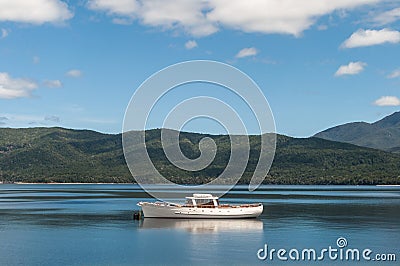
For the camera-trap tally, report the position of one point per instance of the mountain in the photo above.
(58, 154)
(66, 155)
(383, 134)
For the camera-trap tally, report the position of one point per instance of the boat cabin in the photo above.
(202, 201)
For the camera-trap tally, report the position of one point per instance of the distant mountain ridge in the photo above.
(67, 155)
(383, 134)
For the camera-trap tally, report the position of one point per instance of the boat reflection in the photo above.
(204, 225)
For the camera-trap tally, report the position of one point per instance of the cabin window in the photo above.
(204, 202)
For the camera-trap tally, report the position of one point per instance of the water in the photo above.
(92, 225)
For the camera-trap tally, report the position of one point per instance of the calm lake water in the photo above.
(93, 225)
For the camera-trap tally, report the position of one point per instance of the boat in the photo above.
(200, 206)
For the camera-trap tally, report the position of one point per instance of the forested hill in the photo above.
(65, 155)
(383, 134)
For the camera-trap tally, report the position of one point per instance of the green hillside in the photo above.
(383, 134)
(65, 155)
(61, 155)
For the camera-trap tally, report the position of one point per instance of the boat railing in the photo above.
(223, 206)
(162, 203)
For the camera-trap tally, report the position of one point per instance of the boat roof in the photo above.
(202, 196)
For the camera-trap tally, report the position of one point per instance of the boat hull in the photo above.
(151, 210)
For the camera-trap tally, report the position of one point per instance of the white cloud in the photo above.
(388, 101)
(4, 33)
(190, 44)
(251, 51)
(202, 18)
(352, 68)
(362, 38)
(74, 73)
(28, 120)
(172, 15)
(34, 11)
(119, 7)
(188, 16)
(11, 88)
(276, 16)
(394, 74)
(387, 17)
(52, 83)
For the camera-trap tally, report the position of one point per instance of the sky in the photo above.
(319, 63)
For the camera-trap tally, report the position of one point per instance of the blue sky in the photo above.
(319, 63)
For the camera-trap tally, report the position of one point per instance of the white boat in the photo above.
(200, 206)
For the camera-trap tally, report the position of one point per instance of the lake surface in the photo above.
(93, 225)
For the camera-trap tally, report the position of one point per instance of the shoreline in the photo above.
(76, 183)
(58, 183)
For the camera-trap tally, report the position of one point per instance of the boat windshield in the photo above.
(205, 202)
